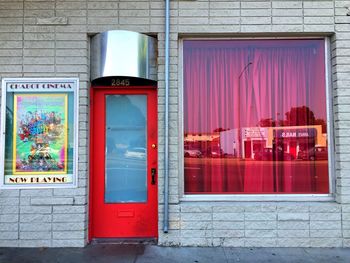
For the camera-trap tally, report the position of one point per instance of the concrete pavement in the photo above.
(115, 253)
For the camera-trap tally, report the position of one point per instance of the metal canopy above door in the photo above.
(125, 54)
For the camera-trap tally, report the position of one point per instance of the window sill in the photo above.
(260, 198)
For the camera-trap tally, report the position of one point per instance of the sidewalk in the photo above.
(155, 254)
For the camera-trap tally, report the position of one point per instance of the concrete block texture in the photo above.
(51, 39)
(268, 226)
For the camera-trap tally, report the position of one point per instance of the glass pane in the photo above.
(126, 154)
(255, 117)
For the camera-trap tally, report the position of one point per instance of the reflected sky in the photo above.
(238, 83)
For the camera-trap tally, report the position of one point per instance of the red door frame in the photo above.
(151, 100)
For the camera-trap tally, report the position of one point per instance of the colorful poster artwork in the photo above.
(40, 134)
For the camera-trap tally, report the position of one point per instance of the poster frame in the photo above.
(67, 86)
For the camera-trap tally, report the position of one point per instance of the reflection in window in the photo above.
(126, 140)
(255, 117)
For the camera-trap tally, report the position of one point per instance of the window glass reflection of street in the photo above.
(279, 162)
(126, 162)
(255, 117)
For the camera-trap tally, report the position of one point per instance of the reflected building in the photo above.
(256, 143)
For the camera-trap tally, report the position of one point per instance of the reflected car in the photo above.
(136, 152)
(318, 153)
(267, 154)
(215, 152)
(192, 153)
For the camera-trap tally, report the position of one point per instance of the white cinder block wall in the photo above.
(50, 38)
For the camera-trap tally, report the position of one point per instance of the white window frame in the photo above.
(261, 197)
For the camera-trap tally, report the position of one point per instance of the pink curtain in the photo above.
(237, 96)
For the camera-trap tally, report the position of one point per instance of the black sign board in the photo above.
(295, 133)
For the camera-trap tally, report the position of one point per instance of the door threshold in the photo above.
(125, 241)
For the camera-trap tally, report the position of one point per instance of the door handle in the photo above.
(153, 174)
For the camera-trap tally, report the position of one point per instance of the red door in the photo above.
(123, 152)
(293, 149)
(247, 149)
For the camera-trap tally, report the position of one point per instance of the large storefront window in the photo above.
(255, 118)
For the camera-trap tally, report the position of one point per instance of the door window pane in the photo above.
(126, 154)
(255, 117)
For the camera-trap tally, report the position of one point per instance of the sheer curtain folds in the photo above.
(255, 116)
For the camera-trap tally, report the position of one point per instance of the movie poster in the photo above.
(40, 134)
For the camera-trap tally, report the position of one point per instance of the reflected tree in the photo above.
(268, 122)
(221, 129)
(296, 116)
